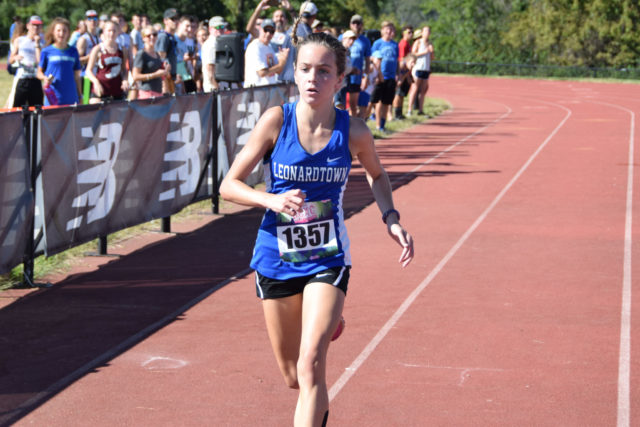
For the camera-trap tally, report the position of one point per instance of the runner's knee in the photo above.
(310, 368)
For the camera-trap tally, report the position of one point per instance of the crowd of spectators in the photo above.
(109, 57)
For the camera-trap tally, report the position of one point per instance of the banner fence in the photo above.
(92, 170)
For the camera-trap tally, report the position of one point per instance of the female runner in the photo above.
(301, 256)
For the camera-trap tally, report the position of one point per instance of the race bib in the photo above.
(308, 235)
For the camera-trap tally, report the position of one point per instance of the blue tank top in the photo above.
(315, 238)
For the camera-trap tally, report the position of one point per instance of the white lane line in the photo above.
(377, 339)
(624, 358)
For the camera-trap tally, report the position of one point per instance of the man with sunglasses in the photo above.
(166, 44)
(217, 26)
(261, 62)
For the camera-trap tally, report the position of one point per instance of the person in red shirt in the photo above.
(404, 45)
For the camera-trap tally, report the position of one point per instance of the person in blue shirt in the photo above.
(301, 255)
(359, 53)
(385, 49)
(60, 64)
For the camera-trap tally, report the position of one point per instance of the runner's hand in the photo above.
(404, 239)
(289, 202)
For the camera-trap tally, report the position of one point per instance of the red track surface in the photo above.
(511, 313)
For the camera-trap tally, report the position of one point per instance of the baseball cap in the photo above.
(356, 18)
(317, 23)
(268, 23)
(310, 8)
(170, 13)
(35, 19)
(104, 17)
(348, 34)
(216, 21)
(91, 14)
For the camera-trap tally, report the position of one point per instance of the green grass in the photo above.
(432, 108)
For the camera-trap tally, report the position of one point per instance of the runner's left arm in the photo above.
(363, 148)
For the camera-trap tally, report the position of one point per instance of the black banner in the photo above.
(16, 200)
(106, 169)
(240, 110)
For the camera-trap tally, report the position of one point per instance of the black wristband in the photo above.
(389, 212)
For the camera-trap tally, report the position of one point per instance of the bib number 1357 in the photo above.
(301, 242)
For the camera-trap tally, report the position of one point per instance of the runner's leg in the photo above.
(283, 317)
(321, 311)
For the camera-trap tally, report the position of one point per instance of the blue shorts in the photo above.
(363, 99)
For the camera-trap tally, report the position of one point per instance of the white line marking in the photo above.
(377, 339)
(624, 363)
(624, 359)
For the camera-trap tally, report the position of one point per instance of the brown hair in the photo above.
(323, 39)
(49, 34)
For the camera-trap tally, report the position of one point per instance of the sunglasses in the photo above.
(150, 35)
(219, 27)
(357, 22)
(269, 30)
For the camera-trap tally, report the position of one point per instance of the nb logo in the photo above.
(101, 176)
(189, 134)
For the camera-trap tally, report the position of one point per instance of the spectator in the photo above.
(90, 38)
(84, 45)
(185, 56)
(124, 39)
(404, 46)
(148, 68)
(280, 40)
(15, 20)
(60, 65)
(359, 53)
(308, 12)
(19, 30)
(144, 20)
(216, 26)
(25, 50)
(262, 63)
(202, 34)
(81, 28)
(348, 38)
(423, 51)
(111, 62)
(405, 79)
(387, 53)
(317, 26)
(103, 19)
(136, 37)
(369, 80)
(166, 47)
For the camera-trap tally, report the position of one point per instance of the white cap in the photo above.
(310, 8)
(217, 20)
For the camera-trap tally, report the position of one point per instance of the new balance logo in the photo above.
(188, 136)
(100, 197)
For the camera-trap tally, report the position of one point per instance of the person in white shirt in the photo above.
(261, 62)
(217, 26)
(26, 51)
